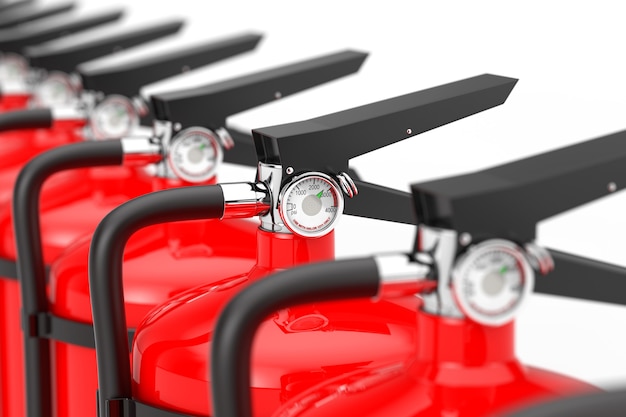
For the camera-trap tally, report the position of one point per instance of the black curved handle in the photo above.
(210, 105)
(29, 13)
(509, 200)
(105, 273)
(604, 404)
(34, 33)
(26, 119)
(327, 142)
(66, 56)
(128, 78)
(237, 324)
(30, 262)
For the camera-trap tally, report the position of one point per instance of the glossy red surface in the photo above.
(10, 102)
(160, 262)
(460, 369)
(63, 221)
(295, 349)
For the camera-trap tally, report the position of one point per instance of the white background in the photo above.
(569, 57)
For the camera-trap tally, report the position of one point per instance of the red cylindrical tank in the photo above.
(460, 368)
(295, 349)
(75, 210)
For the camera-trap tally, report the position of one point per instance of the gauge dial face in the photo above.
(55, 90)
(13, 68)
(311, 204)
(195, 154)
(113, 118)
(491, 280)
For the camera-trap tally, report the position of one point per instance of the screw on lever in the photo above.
(34, 33)
(325, 143)
(27, 12)
(66, 56)
(128, 78)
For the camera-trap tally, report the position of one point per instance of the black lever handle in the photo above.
(598, 404)
(382, 203)
(210, 105)
(66, 56)
(15, 41)
(7, 7)
(509, 200)
(327, 142)
(29, 13)
(127, 79)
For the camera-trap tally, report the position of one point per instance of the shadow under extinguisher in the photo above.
(475, 250)
(298, 197)
(72, 332)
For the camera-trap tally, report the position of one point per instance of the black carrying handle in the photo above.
(210, 105)
(105, 277)
(30, 262)
(238, 321)
(127, 79)
(29, 13)
(328, 141)
(509, 200)
(15, 41)
(26, 119)
(67, 56)
(603, 404)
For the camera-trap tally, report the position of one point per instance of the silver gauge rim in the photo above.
(98, 132)
(61, 78)
(466, 261)
(287, 190)
(22, 63)
(219, 154)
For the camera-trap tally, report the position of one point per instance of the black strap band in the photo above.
(8, 269)
(127, 407)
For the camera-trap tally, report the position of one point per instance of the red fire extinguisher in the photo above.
(475, 241)
(87, 197)
(14, 67)
(51, 67)
(299, 195)
(185, 156)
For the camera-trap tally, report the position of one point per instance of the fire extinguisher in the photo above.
(52, 84)
(298, 195)
(13, 66)
(185, 156)
(17, 13)
(475, 240)
(109, 108)
(85, 198)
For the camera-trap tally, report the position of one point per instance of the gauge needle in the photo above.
(319, 195)
(202, 146)
(504, 270)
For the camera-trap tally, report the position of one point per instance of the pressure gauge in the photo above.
(13, 68)
(114, 117)
(56, 89)
(195, 154)
(311, 204)
(491, 280)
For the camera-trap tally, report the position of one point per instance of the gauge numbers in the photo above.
(311, 204)
(195, 155)
(491, 280)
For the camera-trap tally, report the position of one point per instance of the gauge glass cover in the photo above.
(114, 118)
(55, 90)
(311, 204)
(13, 68)
(195, 155)
(491, 281)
